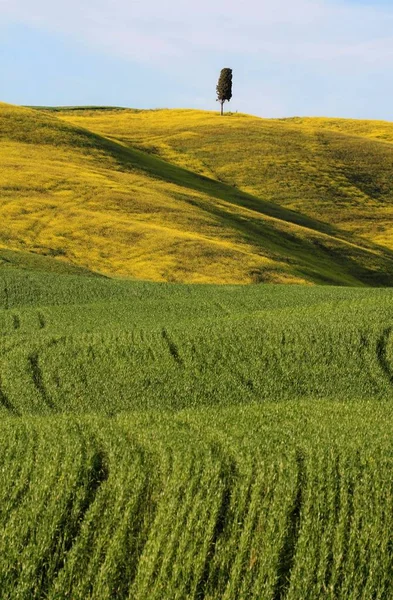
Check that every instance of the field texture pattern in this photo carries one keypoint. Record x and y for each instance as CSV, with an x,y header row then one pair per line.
x,y
78,344
286,501
161,441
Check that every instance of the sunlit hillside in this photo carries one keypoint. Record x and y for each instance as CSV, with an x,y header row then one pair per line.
x,y
65,193
88,194
376,130
336,170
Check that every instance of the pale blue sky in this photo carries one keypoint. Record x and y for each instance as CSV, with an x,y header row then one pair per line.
x,y
289,57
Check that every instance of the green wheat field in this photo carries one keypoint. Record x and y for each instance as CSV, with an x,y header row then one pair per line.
x,y
196,341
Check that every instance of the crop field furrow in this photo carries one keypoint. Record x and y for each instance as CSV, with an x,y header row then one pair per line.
x,y
328,523
316,521
252,551
368,579
18,464
5,403
41,320
46,522
346,475
161,507
228,532
155,446
353,556
203,525
130,536
115,527
379,546
62,366
383,344
22,377
16,322
5,296
173,350
275,537
366,540
291,540
171,520
67,529
38,380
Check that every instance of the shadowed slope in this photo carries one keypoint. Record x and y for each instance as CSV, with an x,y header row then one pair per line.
x,y
30,261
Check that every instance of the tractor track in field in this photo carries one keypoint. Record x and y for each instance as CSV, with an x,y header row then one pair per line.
x,y
223,309
4,398
382,355
6,402
71,523
288,551
36,374
38,379
6,294
228,473
20,491
41,320
16,322
138,530
173,350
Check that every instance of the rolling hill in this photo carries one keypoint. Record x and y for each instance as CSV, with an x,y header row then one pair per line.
x,y
142,194
335,170
81,344
165,440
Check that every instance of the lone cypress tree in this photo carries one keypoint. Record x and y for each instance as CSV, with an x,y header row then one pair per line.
x,y
224,87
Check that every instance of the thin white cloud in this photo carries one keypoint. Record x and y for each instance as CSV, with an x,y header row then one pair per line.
x,y
152,31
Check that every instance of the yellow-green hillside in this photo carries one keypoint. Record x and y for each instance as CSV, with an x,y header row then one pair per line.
x,y
376,130
336,170
64,193
86,193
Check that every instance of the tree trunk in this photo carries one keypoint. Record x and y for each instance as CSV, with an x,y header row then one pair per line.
x,y
222,108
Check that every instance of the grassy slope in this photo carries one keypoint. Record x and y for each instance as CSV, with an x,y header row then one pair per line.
x,y
29,261
287,502
221,457
111,208
375,130
335,170
176,346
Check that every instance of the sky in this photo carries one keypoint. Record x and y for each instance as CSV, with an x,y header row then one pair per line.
x,y
289,57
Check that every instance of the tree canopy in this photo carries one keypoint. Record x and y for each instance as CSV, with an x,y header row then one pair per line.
x,y
224,87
